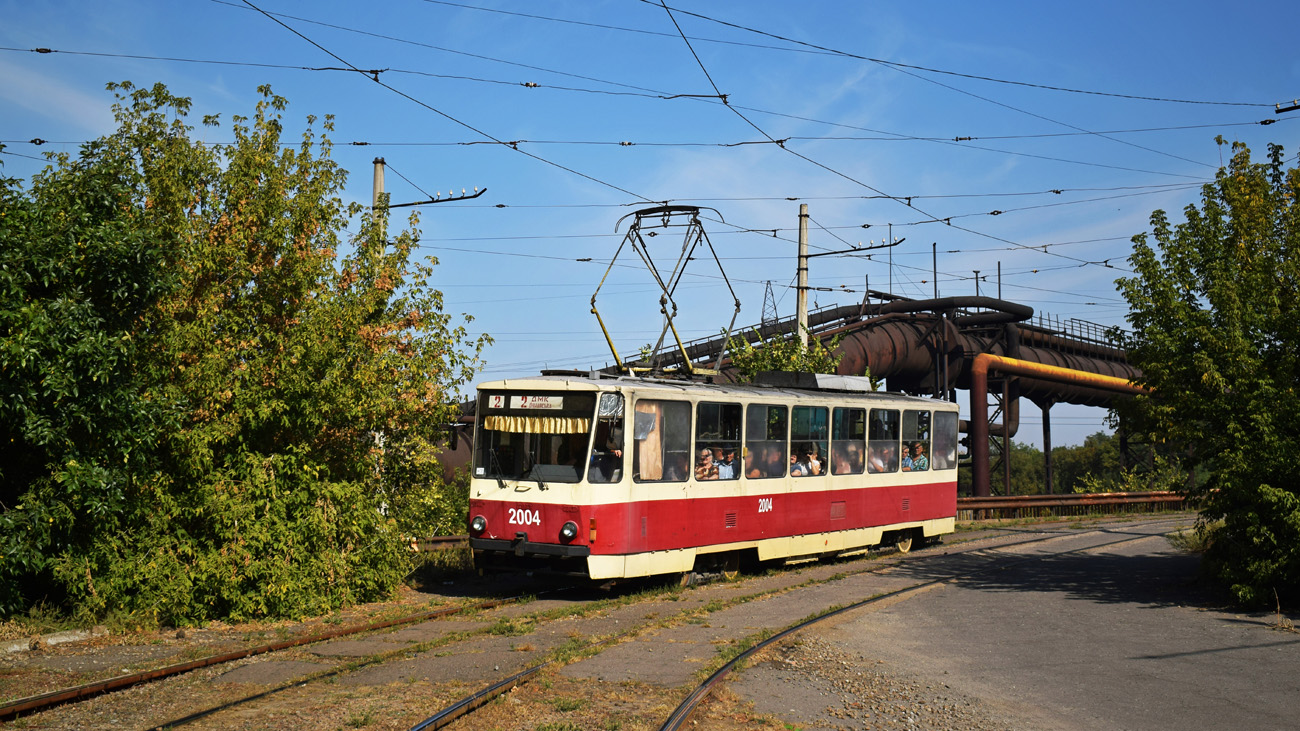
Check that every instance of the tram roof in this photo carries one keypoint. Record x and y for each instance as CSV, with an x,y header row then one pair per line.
x,y
783,383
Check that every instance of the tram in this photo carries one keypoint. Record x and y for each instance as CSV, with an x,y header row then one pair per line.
x,y
614,477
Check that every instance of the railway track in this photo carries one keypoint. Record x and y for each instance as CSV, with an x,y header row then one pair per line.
x,y
554,639
687,708
42,701
748,645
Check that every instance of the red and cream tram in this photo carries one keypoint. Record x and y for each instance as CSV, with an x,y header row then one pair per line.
x,y
614,477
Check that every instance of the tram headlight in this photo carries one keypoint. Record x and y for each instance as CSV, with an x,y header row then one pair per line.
x,y
478,524
568,531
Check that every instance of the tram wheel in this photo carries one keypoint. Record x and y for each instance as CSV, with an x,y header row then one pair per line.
x,y
903,541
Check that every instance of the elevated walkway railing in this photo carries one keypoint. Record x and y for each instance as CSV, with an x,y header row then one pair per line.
x,y
1038,506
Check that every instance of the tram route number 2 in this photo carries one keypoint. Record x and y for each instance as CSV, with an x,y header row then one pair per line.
x,y
765,505
524,516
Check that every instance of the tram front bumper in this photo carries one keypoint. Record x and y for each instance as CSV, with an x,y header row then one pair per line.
x,y
521,546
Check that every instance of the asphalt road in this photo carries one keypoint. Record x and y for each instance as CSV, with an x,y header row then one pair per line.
x,y
1118,637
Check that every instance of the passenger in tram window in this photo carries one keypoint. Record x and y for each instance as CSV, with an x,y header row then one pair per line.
x,y
725,459
855,458
876,459
891,458
840,461
816,464
675,467
607,456
755,458
907,458
704,467
804,462
775,465
847,459
798,468
572,449
919,460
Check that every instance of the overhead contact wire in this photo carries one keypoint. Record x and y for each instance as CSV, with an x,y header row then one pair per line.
x,y
439,112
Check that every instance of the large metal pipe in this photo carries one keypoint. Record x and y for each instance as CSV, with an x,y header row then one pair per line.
x,y
979,392
1001,310
901,346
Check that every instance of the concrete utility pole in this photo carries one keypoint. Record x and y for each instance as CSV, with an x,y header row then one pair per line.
x,y
934,263
379,182
802,299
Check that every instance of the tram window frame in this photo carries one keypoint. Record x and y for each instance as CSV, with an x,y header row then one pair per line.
x,y
916,430
717,429
767,430
883,429
809,433
848,430
548,443
607,442
944,454
668,426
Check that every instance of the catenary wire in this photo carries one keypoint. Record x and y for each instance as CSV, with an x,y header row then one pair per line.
x,y
908,72
884,62
827,168
441,113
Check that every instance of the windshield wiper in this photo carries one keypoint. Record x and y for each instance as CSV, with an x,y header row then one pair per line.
x,y
532,470
495,465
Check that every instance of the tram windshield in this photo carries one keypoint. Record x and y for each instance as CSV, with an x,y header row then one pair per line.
x,y
536,436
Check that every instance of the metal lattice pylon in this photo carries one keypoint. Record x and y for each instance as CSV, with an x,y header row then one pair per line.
x,y
769,306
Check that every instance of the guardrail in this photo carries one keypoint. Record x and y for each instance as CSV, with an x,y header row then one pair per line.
x,y
1037,506
440,543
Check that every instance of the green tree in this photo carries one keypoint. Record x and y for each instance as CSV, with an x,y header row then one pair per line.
x,y
292,397
80,266
1027,471
782,354
1216,334
1097,458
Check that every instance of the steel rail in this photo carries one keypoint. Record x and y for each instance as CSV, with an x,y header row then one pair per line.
x,y
42,701
470,703
328,673
687,707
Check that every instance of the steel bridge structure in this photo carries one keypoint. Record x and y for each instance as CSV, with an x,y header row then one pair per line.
x,y
995,349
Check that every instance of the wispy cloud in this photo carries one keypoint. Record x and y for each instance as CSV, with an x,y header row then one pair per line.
x,y
50,97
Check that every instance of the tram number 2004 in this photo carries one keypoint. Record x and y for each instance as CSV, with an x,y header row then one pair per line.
x,y
524,516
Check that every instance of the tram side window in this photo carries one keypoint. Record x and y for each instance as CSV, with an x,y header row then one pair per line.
x,y
848,434
607,441
717,442
808,432
916,440
662,441
945,441
765,445
882,441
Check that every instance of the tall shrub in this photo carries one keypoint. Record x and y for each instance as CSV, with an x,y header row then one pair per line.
x,y
1214,308
296,384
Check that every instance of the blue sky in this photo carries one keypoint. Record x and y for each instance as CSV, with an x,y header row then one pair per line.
x,y
868,98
